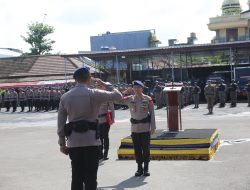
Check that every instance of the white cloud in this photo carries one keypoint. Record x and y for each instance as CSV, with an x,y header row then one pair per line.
x,y
76,20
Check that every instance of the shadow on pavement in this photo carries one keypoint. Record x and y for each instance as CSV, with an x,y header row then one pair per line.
x,y
132,182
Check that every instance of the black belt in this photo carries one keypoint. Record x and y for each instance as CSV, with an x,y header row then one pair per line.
x,y
144,120
80,127
102,115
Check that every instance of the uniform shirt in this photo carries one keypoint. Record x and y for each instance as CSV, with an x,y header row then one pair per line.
x,y
104,109
233,87
247,87
82,103
13,96
209,91
22,96
140,109
30,94
196,90
6,96
222,88
37,95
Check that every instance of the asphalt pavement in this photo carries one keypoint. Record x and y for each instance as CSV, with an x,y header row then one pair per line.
x,y
30,157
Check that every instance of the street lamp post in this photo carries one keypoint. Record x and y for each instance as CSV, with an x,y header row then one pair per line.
x,y
117,70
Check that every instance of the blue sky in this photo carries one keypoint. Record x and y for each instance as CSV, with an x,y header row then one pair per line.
x,y
76,20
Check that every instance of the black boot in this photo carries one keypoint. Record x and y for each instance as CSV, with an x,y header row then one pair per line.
x,y
145,170
105,156
139,171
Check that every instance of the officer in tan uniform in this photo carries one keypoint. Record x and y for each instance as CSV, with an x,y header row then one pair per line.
x,y
7,99
210,92
13,99
80,106
1,99
22,99
106,118
30,97
142,125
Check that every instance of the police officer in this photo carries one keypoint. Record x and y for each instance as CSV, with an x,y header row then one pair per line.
x,y
247,88
196,90
7,99
1,99
222,93
46,98
106,117
13,99
233,89
210,93
157,94
22,99
30,97
80,106
37,96
142,126
57,97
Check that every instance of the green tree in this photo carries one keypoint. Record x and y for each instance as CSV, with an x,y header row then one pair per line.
x,y
36,37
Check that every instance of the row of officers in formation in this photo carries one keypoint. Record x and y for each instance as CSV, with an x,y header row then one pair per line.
x,y
213,93
47,98
34,98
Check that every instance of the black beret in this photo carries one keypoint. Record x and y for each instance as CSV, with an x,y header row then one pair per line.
x,y
81,71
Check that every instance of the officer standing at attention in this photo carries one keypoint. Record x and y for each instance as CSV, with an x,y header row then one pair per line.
x,y
30,97
210,92
7,98
142,125
157,94
105,121
247,88
13,99
222,93
22,99
1,99
80,106
233,88
196,90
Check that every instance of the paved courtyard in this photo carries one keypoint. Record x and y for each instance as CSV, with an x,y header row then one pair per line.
x,y
30,157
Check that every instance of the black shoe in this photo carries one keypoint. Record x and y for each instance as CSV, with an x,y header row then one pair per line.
x,y
105,158
101,156
139,171
105,155
145,170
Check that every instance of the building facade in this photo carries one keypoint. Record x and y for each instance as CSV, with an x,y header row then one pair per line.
x,y
233,24
124,40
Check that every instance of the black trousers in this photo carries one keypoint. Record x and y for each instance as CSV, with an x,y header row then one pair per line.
x,y
7,105
141,142
22,104
14,105
84,163
104,136
30,104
